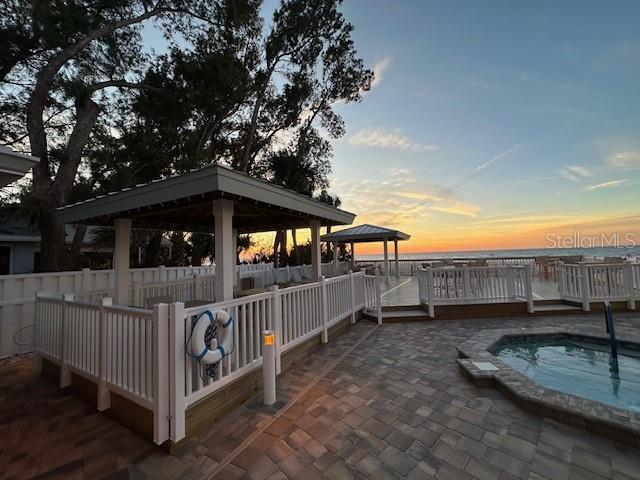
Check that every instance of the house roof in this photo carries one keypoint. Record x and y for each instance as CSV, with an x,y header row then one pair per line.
x,y
364,233
184,203
14,165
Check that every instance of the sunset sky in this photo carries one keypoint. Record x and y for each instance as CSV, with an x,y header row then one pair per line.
x,y
492,124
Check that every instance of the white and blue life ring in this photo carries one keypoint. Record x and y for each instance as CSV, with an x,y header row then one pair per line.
x,y
200,346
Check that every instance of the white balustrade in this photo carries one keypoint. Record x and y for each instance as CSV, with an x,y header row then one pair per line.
x,y
599,282
465,284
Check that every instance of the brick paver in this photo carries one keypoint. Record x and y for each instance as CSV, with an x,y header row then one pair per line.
x,y
395,407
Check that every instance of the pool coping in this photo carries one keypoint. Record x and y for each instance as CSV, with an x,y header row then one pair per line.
x,y
596,417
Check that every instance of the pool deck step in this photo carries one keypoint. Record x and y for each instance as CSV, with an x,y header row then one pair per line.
x,y
404,315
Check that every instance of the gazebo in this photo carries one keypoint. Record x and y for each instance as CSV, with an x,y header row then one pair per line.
x,y
213,199
365,234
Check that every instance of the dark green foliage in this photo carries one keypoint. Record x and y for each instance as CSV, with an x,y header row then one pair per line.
x,y
79,90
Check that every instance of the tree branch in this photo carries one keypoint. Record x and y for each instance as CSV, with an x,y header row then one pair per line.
x,y
121,84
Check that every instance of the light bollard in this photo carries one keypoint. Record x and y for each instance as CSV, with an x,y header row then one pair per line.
x,y
269,366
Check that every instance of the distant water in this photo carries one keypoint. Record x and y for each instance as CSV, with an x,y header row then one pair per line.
x,y
535,252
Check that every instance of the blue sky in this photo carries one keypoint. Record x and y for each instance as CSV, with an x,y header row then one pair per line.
x,y
492,124
515,116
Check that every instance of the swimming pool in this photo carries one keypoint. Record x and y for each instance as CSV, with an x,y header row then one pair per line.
x,y
577,365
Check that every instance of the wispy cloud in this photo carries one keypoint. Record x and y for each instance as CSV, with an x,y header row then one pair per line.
x,y
394,139
407,199
419,196
379,69
480,168
579,170
609,184
575,173
458,208
624,160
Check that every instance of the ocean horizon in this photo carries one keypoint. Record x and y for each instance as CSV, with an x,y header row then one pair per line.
x,y
526,252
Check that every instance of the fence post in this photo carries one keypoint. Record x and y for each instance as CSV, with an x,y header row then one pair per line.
x,y
466,281
430,292
276,312
584,287
529,288
137,295
161,374
325,310
628,283
378,298
86,280
511,282
177,401
561,280
104,397
162,274
353,297
65,374
197,288
37,359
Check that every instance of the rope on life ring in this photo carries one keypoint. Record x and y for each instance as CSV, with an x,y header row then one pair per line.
x,y
204,347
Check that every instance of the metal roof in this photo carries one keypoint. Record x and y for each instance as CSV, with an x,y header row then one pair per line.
x,y
184,203
364,233
14,165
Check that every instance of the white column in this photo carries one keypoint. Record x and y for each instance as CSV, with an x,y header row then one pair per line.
x,y
316,259
223,238
121,260
353,253
386,260
336,261
395,251
234,258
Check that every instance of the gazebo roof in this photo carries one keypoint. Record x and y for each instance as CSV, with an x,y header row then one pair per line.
x,y
184,203
364,233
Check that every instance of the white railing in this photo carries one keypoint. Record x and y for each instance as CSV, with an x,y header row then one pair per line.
x,y
18,292
373,296
121,349
182,290
296,314
410,267
597,282
460,285
143,354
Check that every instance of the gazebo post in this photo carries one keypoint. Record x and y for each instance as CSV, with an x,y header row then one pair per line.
x,y
386,260
336,260
397,262
234,257
121,260
316,269
223,238
353,254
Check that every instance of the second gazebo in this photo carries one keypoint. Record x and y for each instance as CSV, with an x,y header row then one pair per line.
x,y
365,234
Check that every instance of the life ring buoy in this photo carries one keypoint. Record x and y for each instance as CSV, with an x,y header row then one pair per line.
x,y
201,350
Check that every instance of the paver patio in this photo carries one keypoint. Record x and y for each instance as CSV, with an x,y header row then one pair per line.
x,y
379,402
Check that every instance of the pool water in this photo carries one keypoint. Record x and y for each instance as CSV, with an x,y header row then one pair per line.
x,y
578,366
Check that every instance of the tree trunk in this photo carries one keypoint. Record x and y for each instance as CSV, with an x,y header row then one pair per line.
x,y
283,247
52,245
295,245
276,244
253,126
152,251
